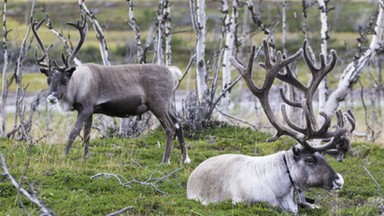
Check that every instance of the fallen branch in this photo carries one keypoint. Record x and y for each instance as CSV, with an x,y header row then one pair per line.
x,y
152,182
236,119
379,191
120,211
32,197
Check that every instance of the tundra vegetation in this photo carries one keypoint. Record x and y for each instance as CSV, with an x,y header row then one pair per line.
x,y
125,173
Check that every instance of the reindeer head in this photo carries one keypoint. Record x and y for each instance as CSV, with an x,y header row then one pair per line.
x,y
337,138
58,76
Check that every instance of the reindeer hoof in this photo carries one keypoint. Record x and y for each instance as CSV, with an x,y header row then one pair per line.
x,y
187,160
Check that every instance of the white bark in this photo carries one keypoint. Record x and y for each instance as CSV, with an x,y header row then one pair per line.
x,y
229,30
168,36
354,69
30,196
284,26
199,23
63,41
159,41
323,86
136,30
99,33
4,89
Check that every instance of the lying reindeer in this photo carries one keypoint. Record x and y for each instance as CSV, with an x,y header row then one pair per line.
x,y
119,91
276,178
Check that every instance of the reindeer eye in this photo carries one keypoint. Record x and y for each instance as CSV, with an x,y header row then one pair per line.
x,y
310,161
64,82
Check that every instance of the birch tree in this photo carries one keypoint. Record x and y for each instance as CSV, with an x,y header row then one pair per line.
x,y
159,36
4,87
167,33
352,72
229,24
198,17
323,87
140,53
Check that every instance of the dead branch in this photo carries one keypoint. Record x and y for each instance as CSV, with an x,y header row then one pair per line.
x,y
18,74
61,37
99,33
30,196
151,182
191,60
379,191
238,120
120,211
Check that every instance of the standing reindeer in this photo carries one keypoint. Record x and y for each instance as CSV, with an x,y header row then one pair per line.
x,y
119,91
276,178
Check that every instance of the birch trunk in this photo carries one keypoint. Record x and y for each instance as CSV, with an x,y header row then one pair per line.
x,y
197,10
353,70
159,37
229,31
132,22
168,36
323,86
4,88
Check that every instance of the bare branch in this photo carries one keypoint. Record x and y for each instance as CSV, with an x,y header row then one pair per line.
x,y
120,211
151,182
32,197
379,191
99,33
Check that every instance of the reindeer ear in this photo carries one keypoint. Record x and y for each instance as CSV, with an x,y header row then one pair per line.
x,y
69,71
44,71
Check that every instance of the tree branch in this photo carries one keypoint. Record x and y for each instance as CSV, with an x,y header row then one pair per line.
x,y
32,197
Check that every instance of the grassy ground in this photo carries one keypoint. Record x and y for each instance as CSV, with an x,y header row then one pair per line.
x,y
66,187
65,184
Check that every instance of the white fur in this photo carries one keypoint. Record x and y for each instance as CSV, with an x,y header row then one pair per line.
x,y
176,72
242,178
272,179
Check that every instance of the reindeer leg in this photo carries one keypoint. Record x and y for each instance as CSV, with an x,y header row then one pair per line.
x,y
169,132
306,202
81,117
167,124
180,137
87,132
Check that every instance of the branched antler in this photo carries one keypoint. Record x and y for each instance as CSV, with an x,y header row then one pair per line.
x,y
337,138
44,61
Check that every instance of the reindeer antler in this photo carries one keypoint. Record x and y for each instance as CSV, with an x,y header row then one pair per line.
x,y
82,27
337,137
43,60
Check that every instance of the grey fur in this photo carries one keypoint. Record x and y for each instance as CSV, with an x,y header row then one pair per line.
x,y
119,91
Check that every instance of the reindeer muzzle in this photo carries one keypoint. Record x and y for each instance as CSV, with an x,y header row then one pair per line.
x,y
53,98
338,183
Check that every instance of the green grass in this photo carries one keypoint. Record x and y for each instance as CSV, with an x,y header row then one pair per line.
x,y
66,187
